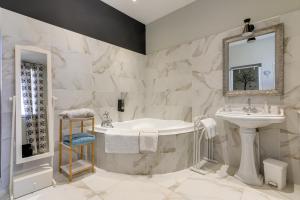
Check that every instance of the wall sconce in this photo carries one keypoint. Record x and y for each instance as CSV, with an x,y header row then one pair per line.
x,y
248,28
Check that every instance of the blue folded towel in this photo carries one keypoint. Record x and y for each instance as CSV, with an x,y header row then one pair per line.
x,y
79,139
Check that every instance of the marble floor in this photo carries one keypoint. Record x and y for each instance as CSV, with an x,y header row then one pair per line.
x,y
181,185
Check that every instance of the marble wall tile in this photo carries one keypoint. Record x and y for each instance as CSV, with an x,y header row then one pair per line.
x,y
290,153
169,83
72,99
227,144
269,143
174,153
86,73
169,112
176,83
289,145
5,158
72,71
103,99
200,63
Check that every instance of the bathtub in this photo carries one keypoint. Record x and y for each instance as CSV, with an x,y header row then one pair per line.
x,y
164,127
175,148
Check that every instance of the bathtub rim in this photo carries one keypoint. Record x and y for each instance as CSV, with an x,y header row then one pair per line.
x,y
189,127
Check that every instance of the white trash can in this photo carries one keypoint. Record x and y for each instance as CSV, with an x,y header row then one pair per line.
x,y
275,173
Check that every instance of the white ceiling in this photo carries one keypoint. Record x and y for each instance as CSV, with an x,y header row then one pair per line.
x,y
147,11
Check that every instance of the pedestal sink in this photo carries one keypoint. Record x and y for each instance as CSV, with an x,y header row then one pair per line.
x,y
248,122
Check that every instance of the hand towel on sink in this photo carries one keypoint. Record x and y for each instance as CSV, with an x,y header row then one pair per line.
x,y
210,127
122,141
148,141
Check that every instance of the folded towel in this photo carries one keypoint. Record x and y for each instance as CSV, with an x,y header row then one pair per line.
x,y
210,127
121,141
223,172
78,113
148,141
79,138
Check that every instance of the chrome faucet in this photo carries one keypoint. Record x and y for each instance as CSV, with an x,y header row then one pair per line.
x,y
107,121
250,108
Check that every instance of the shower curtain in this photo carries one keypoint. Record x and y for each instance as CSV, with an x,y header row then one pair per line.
x,y
34,110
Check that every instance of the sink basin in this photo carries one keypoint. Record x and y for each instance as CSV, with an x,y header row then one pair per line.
x,y
248,122
251,120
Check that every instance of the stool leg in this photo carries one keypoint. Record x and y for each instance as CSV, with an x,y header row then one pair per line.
x,y
81,126
60,146
81,152
70,152
81,146
93,157
93,146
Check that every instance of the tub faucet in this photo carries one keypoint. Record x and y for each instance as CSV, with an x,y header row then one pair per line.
x,y
107,121
250,108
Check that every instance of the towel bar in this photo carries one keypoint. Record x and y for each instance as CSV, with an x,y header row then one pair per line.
x,y
199,131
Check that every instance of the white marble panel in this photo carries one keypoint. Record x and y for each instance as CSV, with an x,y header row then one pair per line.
x,y
86,72
105,99
104,82
289,20
202,58
269,143
169,112
72,71
25,31
5,160
175,83
174,153
289,145
72,99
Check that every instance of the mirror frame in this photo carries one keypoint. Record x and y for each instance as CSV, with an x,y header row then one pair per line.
x,y
279,62
18,51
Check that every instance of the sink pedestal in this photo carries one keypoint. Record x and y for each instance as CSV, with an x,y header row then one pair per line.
x,y
248,122
248,171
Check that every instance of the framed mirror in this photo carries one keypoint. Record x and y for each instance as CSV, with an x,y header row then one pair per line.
x,y
253,65
34,115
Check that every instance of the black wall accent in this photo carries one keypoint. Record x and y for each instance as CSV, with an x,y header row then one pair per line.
x,y
88,17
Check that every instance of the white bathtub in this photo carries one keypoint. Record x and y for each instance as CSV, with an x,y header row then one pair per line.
x,y
164,127
174,151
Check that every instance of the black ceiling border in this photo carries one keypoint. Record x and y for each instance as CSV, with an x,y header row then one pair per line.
x,y
92,18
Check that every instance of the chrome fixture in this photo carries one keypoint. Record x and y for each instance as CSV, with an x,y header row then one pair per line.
x,y
248,28
107,121
250,108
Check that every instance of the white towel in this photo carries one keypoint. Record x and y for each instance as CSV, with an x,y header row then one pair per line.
x,y
223,172
78,113
148,141
210,127
122,141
